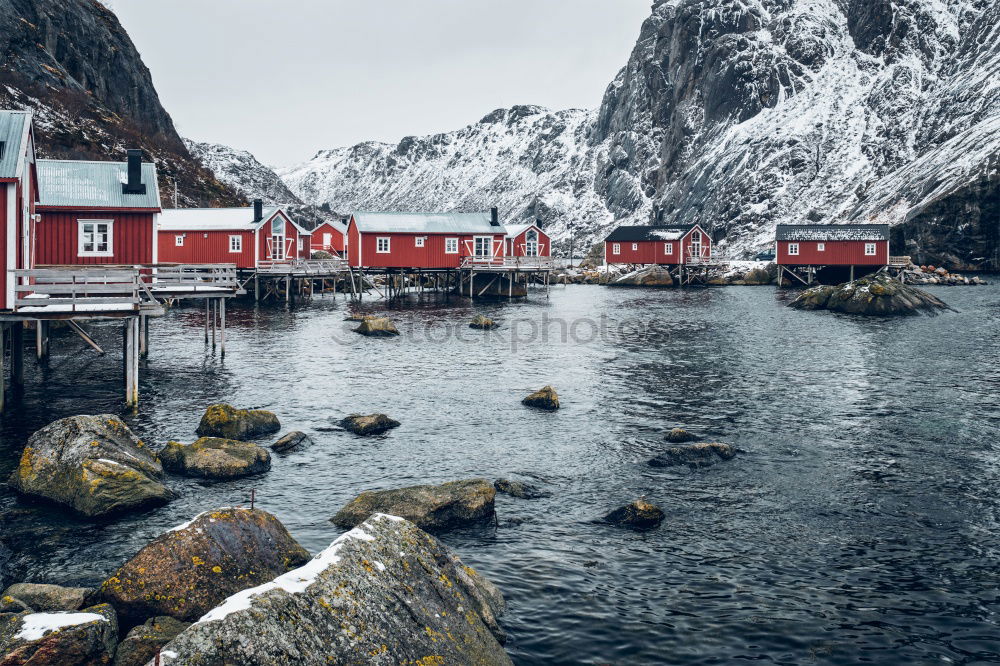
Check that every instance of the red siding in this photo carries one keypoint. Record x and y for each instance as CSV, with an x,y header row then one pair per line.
x,y
516,247
291,234
655,252
336,239
837,253
353,244
206,247
57,238
404,252
4,222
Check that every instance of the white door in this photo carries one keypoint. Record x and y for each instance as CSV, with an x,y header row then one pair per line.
x,y
696,245
483,248
531,243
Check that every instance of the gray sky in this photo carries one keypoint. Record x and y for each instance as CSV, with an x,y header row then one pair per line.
x,y
285,78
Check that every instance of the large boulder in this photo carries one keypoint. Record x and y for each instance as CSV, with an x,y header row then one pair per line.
x,y
383,594
519,489
878,294
545,398
41,597
377,327
679,436
228,422
215,458
84,638
372,424
703,454
93,464
639,514
188,570
139,647
650,276
434,508
482,322
290,441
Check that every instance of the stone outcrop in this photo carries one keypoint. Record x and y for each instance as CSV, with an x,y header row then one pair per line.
x,y
650,276
93,464
679,436
545,398
41,597
482,322
291,441
377,327
873,295
372,424
83,638
383,594
704,454
140,645
188,570
519,489
639,514
216,458
228,422
434,508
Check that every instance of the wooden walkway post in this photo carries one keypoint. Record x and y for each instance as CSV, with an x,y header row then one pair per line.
x,y
17,355
222,318
41,339
208,304
131,361
215,320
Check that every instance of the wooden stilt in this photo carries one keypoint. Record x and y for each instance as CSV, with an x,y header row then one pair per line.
x,y
288,289
3,379
143,336
208,307
215,323
222,319
42,339
17,355
256,287
852,273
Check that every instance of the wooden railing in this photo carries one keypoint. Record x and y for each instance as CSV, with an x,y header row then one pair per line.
x,y
222,276
507,262
302,266
79,289
900,262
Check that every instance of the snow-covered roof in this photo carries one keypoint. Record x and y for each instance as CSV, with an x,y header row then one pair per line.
x,y
73,183
209,219
15,127
426,223
514,230
650,233
832,232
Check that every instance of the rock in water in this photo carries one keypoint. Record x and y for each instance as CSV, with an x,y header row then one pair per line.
x,y
377,327
373,424
94,464
519,489
41,597
216,458
546,399
878,294
482,322
696,455
679,436
433,508
85,638
384,593
651,276
187,571
230,423
290,441
639,513
141,644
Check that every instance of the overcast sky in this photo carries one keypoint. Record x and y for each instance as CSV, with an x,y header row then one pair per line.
x,y
285,78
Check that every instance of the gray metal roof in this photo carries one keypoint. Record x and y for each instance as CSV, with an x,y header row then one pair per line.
x,y
832,232
427,223
14,128
93,185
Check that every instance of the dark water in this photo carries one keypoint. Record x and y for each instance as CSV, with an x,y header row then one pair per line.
x,y
861,526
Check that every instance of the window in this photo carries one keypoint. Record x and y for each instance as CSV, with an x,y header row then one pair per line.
x,y
419,241
870,249
793,249
668,248
236,243
821,247
95,238
616,248
635,246
302,243
531,243
382,245
179,240
327,240
451,246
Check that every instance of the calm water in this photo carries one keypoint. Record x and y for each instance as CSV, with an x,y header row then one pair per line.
x,y
861,525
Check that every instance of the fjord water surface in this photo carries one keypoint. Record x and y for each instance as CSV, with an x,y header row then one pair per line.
x,y
859,526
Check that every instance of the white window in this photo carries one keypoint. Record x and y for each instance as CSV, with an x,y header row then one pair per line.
x,y
419,241
793,249
451,246
95,238
635,246
179,240
821,247
668,248
616,248
236,243
301,243
870,249
327,240
382,245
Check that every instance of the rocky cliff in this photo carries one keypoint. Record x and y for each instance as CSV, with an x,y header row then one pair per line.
x,y
73,64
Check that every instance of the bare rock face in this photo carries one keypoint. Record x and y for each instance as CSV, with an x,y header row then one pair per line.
x,y
373,424
41,597
878,295
385,593
377,327
93,464
140,645
84,638
639,514
703,454
545,398
216,458
290,441
433,508
185,572
228,422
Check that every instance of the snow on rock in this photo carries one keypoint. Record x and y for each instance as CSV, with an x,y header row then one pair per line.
x,y
36,625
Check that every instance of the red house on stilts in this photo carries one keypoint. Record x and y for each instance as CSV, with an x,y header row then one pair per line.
x,y
681,245
528,240
18,198
803,250
330,237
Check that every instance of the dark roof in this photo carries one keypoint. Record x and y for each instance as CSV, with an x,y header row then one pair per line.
x,y
833,232
649,233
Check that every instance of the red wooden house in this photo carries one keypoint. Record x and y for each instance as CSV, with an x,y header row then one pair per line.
x,y
241,236
424,240
832,245
527,240
97,212
675,245
330,237
18,198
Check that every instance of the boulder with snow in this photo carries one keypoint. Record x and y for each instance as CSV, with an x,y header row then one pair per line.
x,y
188,570
228,422
215,458
93,464
878,294
434,508
385,593
80,638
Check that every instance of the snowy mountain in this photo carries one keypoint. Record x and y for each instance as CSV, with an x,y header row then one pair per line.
x,y
241,170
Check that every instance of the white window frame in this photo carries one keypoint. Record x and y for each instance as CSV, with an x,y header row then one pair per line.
x,y
379,240
451,246
821,247
179,240
635,246
235,244
793,249
301,244
418,241
81,242
327,240
871,249
668,248
616,248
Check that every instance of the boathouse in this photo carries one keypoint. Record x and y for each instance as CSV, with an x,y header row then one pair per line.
x,y
674,245
97,212
802,250
18,199
424,241
330,237
527,240
245,237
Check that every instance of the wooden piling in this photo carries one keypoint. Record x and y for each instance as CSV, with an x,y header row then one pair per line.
x,y
222,318
17,355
